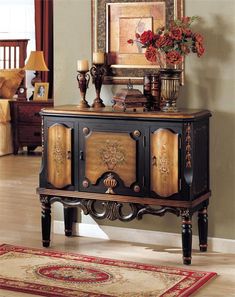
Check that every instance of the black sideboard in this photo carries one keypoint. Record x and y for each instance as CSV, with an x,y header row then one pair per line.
x,y
155,163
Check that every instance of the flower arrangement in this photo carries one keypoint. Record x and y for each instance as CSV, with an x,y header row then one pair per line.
x,y
169,46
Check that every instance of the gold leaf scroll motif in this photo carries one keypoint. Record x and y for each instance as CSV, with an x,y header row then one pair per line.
x,y
163,163
58,153
109,151
112,154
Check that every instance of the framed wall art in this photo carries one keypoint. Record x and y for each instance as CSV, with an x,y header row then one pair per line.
x,y
41,91
114,22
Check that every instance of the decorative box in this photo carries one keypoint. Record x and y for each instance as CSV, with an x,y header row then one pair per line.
x,y
129,99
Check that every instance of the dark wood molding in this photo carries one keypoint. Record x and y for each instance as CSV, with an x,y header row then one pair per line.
x,y
121,198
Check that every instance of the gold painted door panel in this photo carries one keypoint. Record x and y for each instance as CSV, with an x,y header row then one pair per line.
x,y
164,162
59,156
110,152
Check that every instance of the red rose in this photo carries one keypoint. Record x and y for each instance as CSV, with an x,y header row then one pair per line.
x,y
187,32
164,40
176,33
198,37
173,43
151,54
185,49
173,57
185,20
147,37
199,49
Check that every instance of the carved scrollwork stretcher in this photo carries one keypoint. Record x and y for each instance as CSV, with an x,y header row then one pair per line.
x,y
113,210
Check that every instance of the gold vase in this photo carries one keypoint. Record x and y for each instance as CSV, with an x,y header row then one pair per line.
x,y
170,86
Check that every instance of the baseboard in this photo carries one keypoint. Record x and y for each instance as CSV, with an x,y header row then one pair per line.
x,y
143,236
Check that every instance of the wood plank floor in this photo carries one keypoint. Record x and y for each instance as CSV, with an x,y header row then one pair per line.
x,y
20,225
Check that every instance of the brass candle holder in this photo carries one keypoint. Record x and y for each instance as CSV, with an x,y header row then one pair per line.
x,y
97,73
83,79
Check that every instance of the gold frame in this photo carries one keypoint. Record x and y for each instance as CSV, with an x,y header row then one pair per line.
x,y
44,95
118,73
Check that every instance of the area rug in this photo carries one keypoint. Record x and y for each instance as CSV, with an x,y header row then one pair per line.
x,y
59,274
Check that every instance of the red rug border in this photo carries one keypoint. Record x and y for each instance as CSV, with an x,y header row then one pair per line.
x,y
49,294
114,262
200,284
197,286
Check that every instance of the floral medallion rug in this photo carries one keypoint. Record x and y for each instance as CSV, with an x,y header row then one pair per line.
x,y
48,273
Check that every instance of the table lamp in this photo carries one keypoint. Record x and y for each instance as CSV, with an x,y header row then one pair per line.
x,y
37,63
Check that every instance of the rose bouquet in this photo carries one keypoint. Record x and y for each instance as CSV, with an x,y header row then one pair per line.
x,y
169,46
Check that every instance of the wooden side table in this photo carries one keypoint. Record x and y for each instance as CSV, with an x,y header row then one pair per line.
x,y
26,123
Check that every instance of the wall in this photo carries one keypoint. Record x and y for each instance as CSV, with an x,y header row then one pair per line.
x,y
72,37
210,84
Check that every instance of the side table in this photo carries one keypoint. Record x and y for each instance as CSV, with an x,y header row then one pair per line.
x,y
26,123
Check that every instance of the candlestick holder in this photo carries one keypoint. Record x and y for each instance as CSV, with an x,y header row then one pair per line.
x,y
97,73
83,79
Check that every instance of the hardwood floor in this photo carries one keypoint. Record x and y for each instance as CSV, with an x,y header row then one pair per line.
x,y
20,225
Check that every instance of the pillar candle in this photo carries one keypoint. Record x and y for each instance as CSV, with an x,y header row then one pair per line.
x,y
98,58
82,65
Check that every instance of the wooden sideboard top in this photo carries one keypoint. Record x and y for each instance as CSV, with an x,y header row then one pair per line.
x,y
107,111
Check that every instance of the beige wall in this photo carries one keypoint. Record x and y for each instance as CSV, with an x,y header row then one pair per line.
x,y
210,84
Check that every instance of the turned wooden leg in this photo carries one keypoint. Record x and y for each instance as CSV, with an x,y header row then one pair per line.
x,y
45,220
68,220
203,228
186,238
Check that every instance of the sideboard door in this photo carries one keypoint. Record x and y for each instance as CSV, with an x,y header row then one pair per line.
x,y
111,158
164,167
59,141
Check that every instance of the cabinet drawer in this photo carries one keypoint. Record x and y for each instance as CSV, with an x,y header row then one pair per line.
x,y
30,114
30,134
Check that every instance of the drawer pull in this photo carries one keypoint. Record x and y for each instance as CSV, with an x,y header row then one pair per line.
x,y
37,133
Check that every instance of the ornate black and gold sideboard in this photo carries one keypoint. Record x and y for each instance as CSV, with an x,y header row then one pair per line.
x,y
109,162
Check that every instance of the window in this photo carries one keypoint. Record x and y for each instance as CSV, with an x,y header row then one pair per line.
x,y
17,21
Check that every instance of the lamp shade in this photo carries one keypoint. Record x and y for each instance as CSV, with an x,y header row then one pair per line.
x,y
36,62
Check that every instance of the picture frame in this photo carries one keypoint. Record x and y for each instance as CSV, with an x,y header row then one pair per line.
x,y
112,25
41,91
